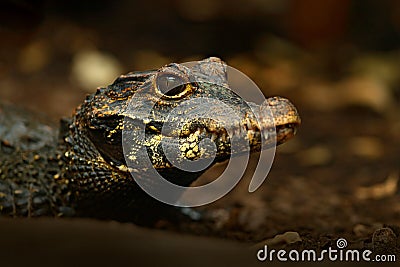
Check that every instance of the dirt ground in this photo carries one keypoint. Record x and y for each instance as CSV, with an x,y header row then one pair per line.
x,y
338,178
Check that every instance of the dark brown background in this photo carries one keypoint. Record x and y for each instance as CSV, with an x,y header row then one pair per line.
x,y
337,60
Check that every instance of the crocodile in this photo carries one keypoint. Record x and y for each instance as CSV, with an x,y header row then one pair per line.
x,y
80,169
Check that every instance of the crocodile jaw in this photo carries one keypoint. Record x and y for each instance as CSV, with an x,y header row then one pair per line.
x,y
261,127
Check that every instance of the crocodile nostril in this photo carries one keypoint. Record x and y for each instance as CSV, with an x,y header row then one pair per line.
x,y
153,127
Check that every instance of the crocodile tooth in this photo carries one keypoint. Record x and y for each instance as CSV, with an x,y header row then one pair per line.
x,y
265,134
223,137
248,124
250,134
214,137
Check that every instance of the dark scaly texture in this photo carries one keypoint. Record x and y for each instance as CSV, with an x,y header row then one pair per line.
x,y
80,168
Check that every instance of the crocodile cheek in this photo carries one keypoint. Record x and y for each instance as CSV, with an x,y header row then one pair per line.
x,y
109,144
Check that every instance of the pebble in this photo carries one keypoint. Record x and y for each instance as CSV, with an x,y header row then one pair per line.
x,y
282,239
34,57
352,91
315,156
367,147
379,191
92,68
384,240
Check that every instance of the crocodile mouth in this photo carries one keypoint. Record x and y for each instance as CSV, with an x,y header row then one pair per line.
x,y
277,126
167,143
277,122
285,132
259,127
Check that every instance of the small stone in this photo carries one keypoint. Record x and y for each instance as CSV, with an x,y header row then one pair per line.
x,y
384,240
18,192
379,191
315,156
363,230
92,68
34,57
252,219
367,147
282,239
365,91
220,216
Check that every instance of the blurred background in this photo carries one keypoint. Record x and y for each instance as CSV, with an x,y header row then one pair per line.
x,y
278,43
337,60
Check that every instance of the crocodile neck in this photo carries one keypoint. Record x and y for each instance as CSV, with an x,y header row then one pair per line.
x,y
98,189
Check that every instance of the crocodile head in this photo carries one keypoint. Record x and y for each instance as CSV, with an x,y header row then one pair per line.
x,y
169,116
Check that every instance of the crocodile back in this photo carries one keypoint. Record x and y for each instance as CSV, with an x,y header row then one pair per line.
x,y
24,130
28,163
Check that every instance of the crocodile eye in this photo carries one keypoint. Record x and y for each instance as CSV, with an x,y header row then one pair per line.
x,y
171,85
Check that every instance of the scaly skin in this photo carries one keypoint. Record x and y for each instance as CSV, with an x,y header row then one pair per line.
x,y
80,169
